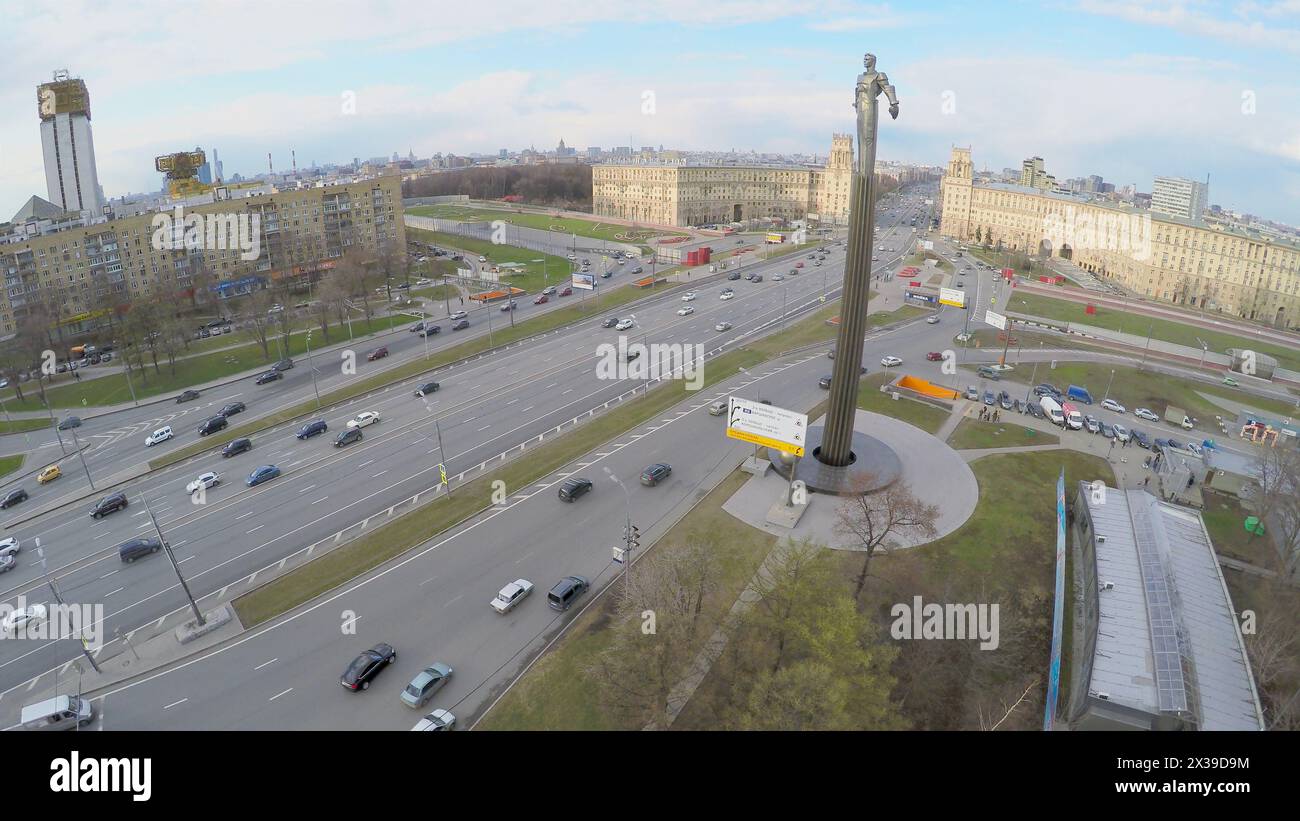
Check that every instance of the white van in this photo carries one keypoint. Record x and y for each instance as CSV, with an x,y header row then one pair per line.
x,y
58,713
161,435
1053,410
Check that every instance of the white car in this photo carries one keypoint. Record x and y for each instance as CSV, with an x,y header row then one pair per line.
x,y
511,595
1112,405
10,546
363,419
729,295
275,309
890,361
722,326
455,315
437,720
572,257
30,614
205,481
160,435
1143,413
1121,433
482,259
623,325
684,311
689,296
934,320
964,337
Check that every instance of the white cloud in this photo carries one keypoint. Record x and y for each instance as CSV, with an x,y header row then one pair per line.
x,y
1186,18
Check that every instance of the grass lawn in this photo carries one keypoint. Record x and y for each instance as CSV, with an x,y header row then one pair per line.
x,y
1135,322
1149,389
557,695
22,425
195,370
593,228
437,292
8,464
1004,553
974,434
535,276
918,259
926,417
1225,519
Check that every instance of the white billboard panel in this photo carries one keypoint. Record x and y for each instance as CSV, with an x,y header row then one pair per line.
x,y
767,425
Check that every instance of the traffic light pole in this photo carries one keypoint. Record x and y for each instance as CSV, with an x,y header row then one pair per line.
x,y
175,565
54,591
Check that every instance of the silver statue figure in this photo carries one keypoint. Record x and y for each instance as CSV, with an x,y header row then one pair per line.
x,y
871,84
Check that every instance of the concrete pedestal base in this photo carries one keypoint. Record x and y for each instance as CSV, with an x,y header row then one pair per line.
x,y
756,466
875,466
191,630
783,515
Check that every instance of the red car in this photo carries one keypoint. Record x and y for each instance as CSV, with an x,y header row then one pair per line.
x,y
541,298
567,292
377,353
798,265
934,356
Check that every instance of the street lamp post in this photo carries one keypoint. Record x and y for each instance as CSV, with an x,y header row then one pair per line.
x,y
54,591
630,533
1148,345
312,368
77,442
1108,381
167,548
50,410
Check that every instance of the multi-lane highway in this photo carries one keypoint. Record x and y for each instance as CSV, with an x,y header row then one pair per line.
x,y
484,408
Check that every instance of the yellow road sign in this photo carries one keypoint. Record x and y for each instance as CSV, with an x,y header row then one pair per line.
x,y
755,439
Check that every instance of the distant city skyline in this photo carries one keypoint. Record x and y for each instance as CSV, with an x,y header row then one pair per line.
x,y
1127,92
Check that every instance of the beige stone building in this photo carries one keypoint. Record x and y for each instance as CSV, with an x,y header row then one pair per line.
x,y
51,257
686,195
1214,267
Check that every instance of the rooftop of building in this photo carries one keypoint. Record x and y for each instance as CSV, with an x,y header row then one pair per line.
x,y
1167,636
1083,199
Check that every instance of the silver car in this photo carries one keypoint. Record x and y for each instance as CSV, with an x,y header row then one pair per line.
x,y
425,684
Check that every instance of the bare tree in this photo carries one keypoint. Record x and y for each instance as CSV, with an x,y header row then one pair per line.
x,y
877,519
258,304
1277,501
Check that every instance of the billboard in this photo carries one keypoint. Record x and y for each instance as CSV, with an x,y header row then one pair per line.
x,y
767,425
952,296
587,282
775,237
996,320
928,245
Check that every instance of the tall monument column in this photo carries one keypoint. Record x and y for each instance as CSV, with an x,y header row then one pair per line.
x,y
836,449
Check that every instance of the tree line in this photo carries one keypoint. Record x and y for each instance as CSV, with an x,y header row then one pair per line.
x,y
564,186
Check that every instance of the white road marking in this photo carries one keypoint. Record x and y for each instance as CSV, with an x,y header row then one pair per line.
x,y
175,703
277,695
263,664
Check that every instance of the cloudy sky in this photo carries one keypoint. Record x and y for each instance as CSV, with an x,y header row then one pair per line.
x,y
1127,90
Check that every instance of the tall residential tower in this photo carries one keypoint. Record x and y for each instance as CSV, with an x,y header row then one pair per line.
x,y
70,174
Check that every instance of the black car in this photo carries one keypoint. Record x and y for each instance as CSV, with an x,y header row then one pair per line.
x,y
573,487
12,498
419,326
282,365
426,389
70,422
461,325
347,437
213,425
757,278
366,666
313,428
565,592
1047,390
269,376
187,396
236,446
656,473
430,331
1142,439
609,322
138,547
232,409
825,382
1035,410
734,275
109,504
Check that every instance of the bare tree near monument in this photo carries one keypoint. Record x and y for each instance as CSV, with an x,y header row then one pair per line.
x,y
876,521
1277,502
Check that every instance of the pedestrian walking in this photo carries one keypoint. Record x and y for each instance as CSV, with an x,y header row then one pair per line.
x,y
1146,481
